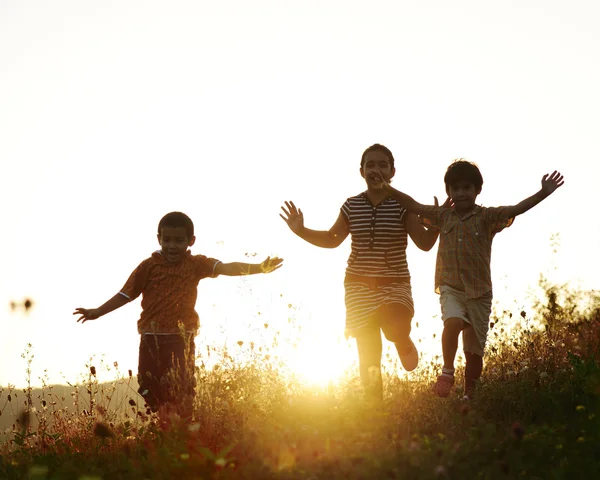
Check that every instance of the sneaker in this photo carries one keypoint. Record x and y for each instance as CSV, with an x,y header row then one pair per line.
x,y
411,359
443,385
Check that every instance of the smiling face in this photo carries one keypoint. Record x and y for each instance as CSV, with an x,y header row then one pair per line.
x,y
376,163
174,242
463,196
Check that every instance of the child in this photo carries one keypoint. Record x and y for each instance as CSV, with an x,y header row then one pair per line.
x,y
377,284
168,283
462,274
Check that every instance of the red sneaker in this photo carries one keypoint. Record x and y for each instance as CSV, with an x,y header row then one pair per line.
x,y
443,385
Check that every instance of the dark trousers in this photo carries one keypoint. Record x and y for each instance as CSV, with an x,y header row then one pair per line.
x,y
166,368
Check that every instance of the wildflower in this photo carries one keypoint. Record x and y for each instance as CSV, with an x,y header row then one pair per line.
x,y
103,431
580,408
240,342
440,471
517,430
24,419
184,456
580,439
220,462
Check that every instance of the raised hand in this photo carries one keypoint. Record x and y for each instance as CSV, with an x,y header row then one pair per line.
x,y
271,264
86,314
293,217
550,182
447,204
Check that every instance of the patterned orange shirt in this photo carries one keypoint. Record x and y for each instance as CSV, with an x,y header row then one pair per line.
x,y
464,253
169,291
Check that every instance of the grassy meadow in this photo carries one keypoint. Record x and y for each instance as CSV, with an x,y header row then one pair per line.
x,y
536,415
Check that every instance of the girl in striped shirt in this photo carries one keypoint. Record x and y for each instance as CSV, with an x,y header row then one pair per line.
x,y
377,284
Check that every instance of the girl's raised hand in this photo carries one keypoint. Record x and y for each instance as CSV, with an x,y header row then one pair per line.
x,y
293,217
551,182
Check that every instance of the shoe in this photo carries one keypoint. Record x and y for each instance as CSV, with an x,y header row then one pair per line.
x,y
443,385
411,359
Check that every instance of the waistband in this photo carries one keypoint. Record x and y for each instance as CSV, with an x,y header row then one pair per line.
x,y
375,281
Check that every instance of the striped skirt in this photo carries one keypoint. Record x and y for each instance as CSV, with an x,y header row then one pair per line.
x,y
363,297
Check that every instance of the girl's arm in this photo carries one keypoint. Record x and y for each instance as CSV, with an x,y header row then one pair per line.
x,y
424,238
234,269
93,313
325,239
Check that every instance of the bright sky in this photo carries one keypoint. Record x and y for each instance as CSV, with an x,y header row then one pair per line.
x,y
113,113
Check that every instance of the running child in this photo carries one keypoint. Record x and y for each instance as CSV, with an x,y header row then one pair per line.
x,y
168,282
462,274
378,293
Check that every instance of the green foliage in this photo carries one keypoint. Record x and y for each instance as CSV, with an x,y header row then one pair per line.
x,y
535,415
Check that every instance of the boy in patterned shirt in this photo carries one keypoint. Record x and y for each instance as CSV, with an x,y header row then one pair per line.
x,y
462,274
168,324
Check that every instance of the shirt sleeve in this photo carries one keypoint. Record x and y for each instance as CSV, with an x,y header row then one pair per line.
x,y
498,218
137,280
345,209
430,216
205,266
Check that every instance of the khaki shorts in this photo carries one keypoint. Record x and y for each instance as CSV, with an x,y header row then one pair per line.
x,y
475,311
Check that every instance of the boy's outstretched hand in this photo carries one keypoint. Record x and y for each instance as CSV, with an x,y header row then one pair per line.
x,y
86,314
271,264
293,217
550,182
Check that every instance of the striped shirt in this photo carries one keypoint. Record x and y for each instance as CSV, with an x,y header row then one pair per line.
x,y
464,254
169,291
378,237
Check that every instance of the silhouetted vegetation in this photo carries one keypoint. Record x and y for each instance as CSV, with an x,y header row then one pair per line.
x,y
535,415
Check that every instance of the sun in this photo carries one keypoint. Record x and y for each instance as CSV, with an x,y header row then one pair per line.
x,y
320,361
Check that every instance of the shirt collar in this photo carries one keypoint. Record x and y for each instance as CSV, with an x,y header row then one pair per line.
x,y
475,211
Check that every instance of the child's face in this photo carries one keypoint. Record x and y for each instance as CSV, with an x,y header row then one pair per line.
x,y
463,196
377,161
174,242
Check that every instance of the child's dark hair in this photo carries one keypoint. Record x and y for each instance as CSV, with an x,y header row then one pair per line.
x,y
377,148
461,170
177,219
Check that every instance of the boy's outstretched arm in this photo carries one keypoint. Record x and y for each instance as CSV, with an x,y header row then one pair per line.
x,y
326,239
550,182
234,269
93,313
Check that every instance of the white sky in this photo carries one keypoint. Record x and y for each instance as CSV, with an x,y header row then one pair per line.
x,y
113,113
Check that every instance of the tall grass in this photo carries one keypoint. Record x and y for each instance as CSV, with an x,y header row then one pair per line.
x,y
535,415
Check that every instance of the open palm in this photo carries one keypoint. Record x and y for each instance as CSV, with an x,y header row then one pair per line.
x,y
293,217
551,182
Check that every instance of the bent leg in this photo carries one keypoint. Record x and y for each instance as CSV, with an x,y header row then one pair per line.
x,y
368,342
395,320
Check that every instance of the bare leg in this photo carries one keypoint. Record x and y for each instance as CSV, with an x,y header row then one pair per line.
x,y
369,346
395,322
452,328
473,370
